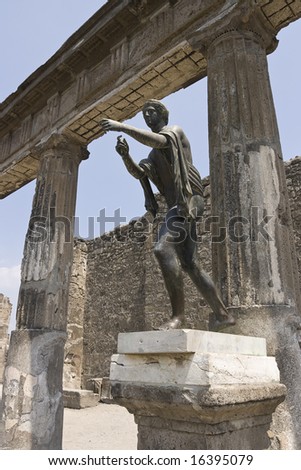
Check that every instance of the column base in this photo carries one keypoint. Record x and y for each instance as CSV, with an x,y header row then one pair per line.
x,y
186,396
32,392
280,325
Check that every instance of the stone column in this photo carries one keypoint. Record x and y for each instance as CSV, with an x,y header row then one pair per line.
x,y
33,398
253,249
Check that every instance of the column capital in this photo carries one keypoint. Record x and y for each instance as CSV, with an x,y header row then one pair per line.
x,y
57,143
244,17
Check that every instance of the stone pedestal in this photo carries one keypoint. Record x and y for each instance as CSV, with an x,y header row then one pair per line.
x,y
192,389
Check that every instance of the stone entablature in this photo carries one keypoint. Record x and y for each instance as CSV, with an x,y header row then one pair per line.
x,y
104,70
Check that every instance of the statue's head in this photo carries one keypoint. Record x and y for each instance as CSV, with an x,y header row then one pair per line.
x,y
159,107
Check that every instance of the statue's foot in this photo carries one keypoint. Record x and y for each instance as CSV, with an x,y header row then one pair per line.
x,y
173,324
223,322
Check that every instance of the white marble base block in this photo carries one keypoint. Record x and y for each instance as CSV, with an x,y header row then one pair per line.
x,y
189,341
192,357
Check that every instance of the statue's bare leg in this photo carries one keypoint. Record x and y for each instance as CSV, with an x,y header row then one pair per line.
x,y
165,252
187,252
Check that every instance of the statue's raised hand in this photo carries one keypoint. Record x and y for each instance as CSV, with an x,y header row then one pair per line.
x,y
110,125
122,147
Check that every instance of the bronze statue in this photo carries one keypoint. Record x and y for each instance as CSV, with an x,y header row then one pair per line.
x,y
169,166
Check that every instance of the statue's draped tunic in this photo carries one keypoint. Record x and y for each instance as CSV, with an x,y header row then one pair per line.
x,y
172,171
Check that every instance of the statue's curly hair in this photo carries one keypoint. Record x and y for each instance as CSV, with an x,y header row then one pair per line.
x,y
159,107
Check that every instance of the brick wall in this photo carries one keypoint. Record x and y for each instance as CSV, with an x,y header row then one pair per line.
x,y
115,297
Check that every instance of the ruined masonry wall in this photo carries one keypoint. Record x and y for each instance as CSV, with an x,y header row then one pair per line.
x,y
117,286
5,312
293,180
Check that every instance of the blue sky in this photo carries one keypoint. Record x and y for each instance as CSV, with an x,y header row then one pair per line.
x,y
30,32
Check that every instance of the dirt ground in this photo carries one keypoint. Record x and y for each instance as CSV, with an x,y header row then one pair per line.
x,y
101,427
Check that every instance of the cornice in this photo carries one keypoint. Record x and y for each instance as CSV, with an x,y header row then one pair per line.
x,y
243,16
60,145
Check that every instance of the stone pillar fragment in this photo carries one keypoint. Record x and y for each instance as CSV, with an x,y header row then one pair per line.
x,y
33,399
74,349
5,312
191,389
254,261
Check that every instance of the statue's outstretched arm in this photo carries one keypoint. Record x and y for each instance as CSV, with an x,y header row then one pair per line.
x,y
151,139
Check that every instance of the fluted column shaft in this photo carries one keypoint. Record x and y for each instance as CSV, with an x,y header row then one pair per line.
x,y
252,261
48,248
